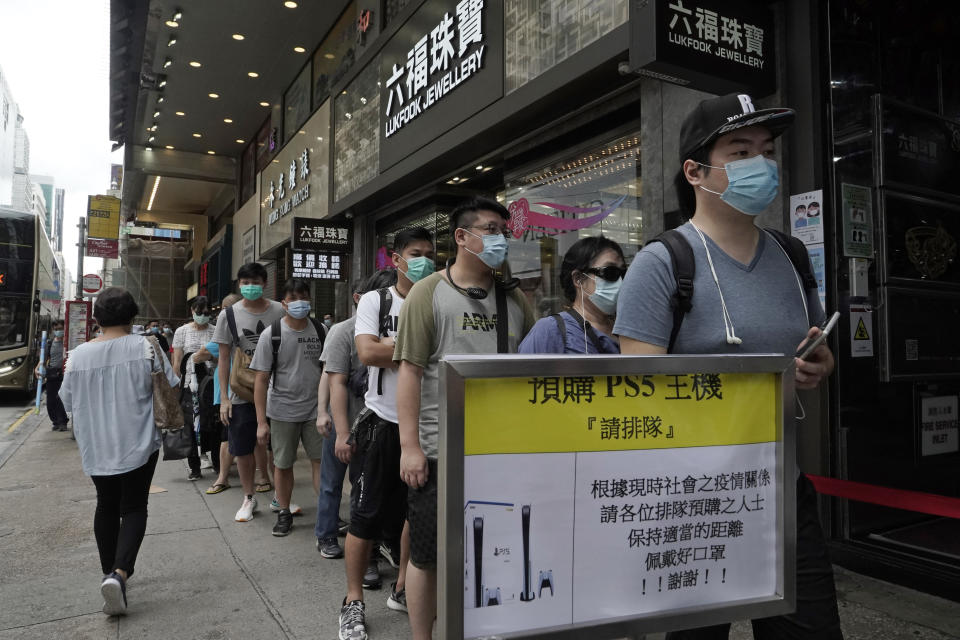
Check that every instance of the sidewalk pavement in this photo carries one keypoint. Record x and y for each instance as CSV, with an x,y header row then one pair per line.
x,y
202,575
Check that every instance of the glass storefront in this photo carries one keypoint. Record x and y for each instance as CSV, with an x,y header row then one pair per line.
x,y
357,135
296,104
596,191
335,56
540,34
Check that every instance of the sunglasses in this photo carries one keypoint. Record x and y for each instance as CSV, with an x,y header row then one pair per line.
x,y
609,273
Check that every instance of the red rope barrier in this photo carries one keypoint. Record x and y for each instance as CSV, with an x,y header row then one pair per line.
x,y
930,503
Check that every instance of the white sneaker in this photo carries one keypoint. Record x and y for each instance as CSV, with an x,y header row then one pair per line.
x,y
247,509
205,462
295,509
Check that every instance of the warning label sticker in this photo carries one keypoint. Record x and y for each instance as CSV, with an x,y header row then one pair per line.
x,y
861,331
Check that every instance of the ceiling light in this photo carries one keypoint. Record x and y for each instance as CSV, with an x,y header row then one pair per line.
x,y
228,120
211,153
238,36
253,74
195,64
180,113
148,148
363,100
264,104
196,135
299,49
156,114
178,14
169,146
290,4
151,138
160,100
214,95
153,192
167,62
479,167
173,24
153,128
162,83
172,41
239,141
329,56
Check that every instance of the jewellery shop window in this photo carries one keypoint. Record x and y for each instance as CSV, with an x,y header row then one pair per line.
x,y
593,192
432,219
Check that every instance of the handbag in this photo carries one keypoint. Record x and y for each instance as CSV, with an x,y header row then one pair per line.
x,y
178,443
167,414
242,377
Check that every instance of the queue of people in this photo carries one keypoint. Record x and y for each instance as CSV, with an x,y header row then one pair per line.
x,y
363,395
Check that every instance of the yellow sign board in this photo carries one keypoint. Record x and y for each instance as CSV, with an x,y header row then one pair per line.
x,y
618,413
103,217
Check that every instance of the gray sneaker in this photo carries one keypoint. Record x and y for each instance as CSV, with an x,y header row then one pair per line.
x,y
329,548
353,623
371,579
398,599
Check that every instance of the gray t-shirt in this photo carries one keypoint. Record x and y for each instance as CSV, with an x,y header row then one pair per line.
x,y
765,300
436,321
249,328
292,396
340,356
55,354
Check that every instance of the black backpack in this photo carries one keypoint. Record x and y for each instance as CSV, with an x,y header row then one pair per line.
x,y
358,380
276,336
684,268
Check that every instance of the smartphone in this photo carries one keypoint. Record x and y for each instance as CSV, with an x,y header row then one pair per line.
x,y
807,347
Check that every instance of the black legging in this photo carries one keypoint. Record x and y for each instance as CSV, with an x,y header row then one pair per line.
x,y
121,517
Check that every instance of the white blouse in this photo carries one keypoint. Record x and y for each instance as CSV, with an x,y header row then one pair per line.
x,y
107,388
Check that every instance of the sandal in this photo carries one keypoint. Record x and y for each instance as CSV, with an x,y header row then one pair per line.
x,y
217,488
264,487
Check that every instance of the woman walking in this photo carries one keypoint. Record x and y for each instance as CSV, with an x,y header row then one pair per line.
x,y
108,387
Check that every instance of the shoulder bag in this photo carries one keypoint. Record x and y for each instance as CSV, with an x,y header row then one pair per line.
x,y
167,414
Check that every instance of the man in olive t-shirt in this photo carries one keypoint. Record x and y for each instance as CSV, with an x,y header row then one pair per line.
x,y
450,312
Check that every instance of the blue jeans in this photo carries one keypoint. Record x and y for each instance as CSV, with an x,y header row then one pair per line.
x,y
332,472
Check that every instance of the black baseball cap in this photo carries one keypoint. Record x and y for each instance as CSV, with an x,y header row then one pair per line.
x,y
715,117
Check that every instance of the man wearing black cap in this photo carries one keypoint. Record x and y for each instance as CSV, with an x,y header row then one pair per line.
x,y
747,298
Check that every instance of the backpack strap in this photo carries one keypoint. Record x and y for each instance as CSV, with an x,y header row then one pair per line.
x,y
797,252
684,268
321,330
562,328
232,324
276,336
591,334
386,303
503,345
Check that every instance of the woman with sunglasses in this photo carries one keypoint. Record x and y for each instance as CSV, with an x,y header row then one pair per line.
x,y
591,275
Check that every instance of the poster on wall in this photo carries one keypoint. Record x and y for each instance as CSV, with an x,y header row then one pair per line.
x,y
620,465
857,203
806,217
818,261
939,429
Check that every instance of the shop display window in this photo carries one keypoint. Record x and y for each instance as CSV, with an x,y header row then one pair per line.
x,y
433,219
335,55
296,104
539,34
357,139
595,191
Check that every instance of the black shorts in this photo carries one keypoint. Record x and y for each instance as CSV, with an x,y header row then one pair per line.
x,y
422,514
378,504
242,431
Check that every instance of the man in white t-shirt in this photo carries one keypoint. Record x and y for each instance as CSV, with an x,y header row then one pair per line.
x,y
378,498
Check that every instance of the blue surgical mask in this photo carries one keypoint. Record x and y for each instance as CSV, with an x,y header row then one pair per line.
x,y
418,268
251,291
58,334
155,330
494,249
751,184
201,318
605,295
298,309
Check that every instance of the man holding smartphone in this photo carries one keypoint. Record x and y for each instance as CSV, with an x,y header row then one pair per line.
x,y
747,298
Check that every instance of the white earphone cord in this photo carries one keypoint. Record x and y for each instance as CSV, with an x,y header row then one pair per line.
x,y
727,320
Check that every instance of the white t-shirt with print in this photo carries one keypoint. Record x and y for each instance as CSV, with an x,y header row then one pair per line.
x,y
368,323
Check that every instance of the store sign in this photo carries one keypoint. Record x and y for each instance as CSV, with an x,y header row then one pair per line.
x,y
101,248
103,217
920,149
316,265
313,235
710,45
445,64
203,281
295,182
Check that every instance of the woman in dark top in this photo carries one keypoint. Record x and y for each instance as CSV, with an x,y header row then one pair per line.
x,y
591,275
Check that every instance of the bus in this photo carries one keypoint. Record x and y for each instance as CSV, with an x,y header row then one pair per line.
x,y
29,296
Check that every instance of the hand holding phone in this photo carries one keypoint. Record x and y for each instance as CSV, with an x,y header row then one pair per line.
x,y
810,345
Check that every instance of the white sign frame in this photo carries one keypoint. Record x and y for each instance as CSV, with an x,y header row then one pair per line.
x,y
451,541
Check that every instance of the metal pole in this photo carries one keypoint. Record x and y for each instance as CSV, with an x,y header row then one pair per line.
x,y
81,246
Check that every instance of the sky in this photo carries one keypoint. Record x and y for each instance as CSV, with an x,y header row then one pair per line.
x,y
56,58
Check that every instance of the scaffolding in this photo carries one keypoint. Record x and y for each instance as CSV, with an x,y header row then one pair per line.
x,y
153,270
